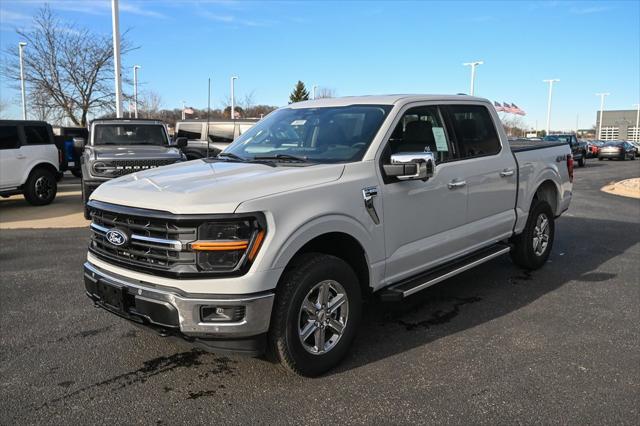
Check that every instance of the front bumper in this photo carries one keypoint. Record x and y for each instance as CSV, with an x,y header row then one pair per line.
x,y
171,311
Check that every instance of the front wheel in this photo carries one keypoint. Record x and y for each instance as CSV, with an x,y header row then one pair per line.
x,y
41,187
316,314
532,247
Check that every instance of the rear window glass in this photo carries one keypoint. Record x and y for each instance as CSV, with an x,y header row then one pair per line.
x,y
36,135
189,130
474,130
9,137
221,132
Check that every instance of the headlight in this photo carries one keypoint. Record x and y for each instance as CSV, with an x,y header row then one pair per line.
x,y
228,245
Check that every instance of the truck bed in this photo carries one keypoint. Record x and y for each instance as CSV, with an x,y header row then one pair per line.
x,y
519,145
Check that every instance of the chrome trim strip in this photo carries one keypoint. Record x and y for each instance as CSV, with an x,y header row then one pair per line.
x,y
173,245
455,272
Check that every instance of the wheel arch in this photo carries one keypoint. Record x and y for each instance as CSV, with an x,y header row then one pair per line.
x,y
39,166
337,236
548,191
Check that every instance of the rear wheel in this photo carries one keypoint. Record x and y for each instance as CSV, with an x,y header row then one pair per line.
x,y
316,314
582,161
41,187
532,247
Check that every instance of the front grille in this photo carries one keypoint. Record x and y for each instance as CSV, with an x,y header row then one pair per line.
x,y
153,244
124,167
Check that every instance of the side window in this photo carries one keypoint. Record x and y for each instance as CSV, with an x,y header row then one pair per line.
x,y
9,138
36,135
221,132
475,134
189,131
420,129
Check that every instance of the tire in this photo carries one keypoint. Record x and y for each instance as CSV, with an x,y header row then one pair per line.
x,y
85,199
310,273
41,187
523,252
77,173
583,160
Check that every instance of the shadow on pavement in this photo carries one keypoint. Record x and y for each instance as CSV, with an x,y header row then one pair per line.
x,y
487,292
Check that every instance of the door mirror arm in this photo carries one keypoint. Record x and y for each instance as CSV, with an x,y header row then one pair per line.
x,y
411,166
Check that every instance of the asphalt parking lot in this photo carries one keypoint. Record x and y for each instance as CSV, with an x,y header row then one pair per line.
x,y
493,345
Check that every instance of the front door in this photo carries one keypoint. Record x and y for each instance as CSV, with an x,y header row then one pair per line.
x,y
422,220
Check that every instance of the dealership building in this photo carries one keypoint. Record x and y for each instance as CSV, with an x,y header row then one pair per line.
x,y
618,124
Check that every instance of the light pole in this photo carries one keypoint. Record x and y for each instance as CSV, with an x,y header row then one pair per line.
x,y
184,105
116,56
233,100
473,66
21,46
602,96
551,81
135,90
314,91
636,132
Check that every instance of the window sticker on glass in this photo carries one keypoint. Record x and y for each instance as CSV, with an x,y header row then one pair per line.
x,y
441,139
298,122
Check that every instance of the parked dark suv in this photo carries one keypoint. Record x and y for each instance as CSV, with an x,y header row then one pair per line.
x,y
121,146
578,149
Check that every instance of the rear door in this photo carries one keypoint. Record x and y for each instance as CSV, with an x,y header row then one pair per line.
x,y
10,169
490,173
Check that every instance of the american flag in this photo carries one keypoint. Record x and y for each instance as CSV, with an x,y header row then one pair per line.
x,y
517,110
498,107
508,108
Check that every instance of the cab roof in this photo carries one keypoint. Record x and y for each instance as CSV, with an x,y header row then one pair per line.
x,y
381,100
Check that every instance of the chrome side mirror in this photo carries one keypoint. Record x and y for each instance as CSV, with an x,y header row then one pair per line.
x,y
411,166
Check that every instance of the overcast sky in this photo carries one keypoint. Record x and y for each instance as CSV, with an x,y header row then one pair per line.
x,y
358,48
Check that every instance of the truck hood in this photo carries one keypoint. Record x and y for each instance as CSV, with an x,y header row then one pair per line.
x,y
200,187
135,152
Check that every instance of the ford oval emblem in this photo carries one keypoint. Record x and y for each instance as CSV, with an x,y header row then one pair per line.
x,y
116,237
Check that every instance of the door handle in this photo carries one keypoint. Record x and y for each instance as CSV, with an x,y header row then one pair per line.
x,y
21,156
456,184
507,172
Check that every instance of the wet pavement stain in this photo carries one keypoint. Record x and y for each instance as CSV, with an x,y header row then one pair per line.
x,y
200,394
526,276
440,317
85,333
151,368
66,384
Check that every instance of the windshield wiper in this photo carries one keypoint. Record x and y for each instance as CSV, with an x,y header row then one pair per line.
x,y
285,157
231,156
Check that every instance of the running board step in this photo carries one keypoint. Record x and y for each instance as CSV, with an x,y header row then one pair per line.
x,y
399,291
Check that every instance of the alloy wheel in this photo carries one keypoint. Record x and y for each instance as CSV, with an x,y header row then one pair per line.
x,y
323,317
541,234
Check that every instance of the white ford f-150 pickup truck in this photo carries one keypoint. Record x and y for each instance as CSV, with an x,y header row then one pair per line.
x,y
273,245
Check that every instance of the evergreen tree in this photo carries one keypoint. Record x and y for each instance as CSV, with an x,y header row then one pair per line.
x,y
300,93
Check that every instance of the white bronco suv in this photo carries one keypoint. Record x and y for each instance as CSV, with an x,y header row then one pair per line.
x,y
273,245
29,161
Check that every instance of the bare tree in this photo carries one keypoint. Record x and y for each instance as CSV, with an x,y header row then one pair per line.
x,y
68,70
149,104
325,92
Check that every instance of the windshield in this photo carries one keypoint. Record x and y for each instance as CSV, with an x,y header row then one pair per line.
x,y
320,135
129,134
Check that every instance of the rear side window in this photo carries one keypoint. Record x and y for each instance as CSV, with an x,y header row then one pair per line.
x,y
221,132
189,130
36,135
9,138
475,134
